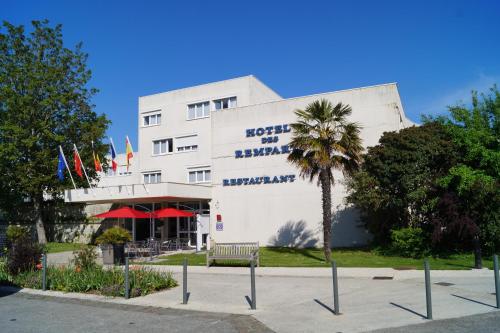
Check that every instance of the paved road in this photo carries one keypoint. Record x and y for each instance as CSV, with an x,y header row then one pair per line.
x,y
32,313
484,323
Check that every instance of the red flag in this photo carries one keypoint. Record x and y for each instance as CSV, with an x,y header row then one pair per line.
x,y
78,164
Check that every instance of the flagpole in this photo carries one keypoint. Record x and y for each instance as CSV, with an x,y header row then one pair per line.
x,y
83,167
67,166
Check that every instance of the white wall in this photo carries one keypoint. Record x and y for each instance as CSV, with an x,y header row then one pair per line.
x,y
173,106
274,213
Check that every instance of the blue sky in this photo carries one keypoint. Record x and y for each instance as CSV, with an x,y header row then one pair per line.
x,y
437,51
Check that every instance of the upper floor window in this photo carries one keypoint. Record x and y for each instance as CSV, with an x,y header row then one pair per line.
x,y
152,177
225,103
163,146
198,110
199,176
151,119
186,143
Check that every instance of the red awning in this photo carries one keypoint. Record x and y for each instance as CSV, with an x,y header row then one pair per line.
x,y
172,212
124,212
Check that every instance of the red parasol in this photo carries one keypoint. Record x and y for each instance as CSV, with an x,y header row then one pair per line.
x,y
125,212
172,212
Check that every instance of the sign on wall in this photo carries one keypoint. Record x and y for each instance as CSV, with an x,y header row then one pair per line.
x,y
269,136
218,225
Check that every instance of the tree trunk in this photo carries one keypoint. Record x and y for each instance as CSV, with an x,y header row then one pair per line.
x,y
326,189
40,229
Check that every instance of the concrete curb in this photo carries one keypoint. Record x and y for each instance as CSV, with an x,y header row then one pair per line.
x,y
52,293
316,272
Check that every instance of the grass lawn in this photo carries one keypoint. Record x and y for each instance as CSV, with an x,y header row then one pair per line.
x,y
53,247
287,257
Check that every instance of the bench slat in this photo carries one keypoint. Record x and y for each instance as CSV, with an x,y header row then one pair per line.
x,y
244,251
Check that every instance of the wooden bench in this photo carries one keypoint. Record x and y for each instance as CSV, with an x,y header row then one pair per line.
x,y
239,251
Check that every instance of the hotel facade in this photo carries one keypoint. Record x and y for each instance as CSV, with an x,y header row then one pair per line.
x,y
221,149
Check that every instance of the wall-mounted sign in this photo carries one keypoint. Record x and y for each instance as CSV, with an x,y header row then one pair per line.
x,y
258,180
268,135
264,151
269,130
219,226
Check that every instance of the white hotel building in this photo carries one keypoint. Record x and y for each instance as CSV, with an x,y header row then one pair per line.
x,y
221,148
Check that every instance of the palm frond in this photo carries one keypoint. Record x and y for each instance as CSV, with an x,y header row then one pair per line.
x,y
324,140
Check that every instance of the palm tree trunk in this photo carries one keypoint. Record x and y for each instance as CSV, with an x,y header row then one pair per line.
x,y
326,191
40,229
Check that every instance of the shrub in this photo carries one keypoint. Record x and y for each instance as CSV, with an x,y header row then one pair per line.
x,y
108,282
85,258
114,235
4,274
23,255
15,232
409,242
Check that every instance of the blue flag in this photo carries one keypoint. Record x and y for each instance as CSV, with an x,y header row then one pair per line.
x,y
60,166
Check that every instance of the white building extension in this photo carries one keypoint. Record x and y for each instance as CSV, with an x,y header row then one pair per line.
x,y
221,149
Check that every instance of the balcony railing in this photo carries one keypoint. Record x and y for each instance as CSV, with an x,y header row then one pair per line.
x,y
120,193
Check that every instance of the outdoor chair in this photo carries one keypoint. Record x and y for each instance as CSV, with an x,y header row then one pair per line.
x,y
153,246
131,250
166,246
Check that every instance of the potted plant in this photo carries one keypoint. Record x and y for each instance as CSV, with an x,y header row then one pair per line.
x,y
112,242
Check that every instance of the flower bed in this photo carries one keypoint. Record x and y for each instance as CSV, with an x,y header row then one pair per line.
x,y
96,280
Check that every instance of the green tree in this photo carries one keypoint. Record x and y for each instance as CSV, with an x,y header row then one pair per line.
x,y
44,103
473,182
394,187
323,140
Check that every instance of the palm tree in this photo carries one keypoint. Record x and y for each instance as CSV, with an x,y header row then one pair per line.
x,y
322,141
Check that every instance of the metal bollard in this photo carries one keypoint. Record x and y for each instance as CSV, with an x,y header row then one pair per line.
x,y
336,309
428,298
127,285
497,280
184,282
252,285
44,272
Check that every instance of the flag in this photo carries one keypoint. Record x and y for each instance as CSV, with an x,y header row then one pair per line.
x,y
78,163
60,166
128,151
97,161
114,165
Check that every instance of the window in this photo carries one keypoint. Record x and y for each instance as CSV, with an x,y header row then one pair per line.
x,y
163,146
186,143
199,176
198,110
225,103
152,177
151,119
